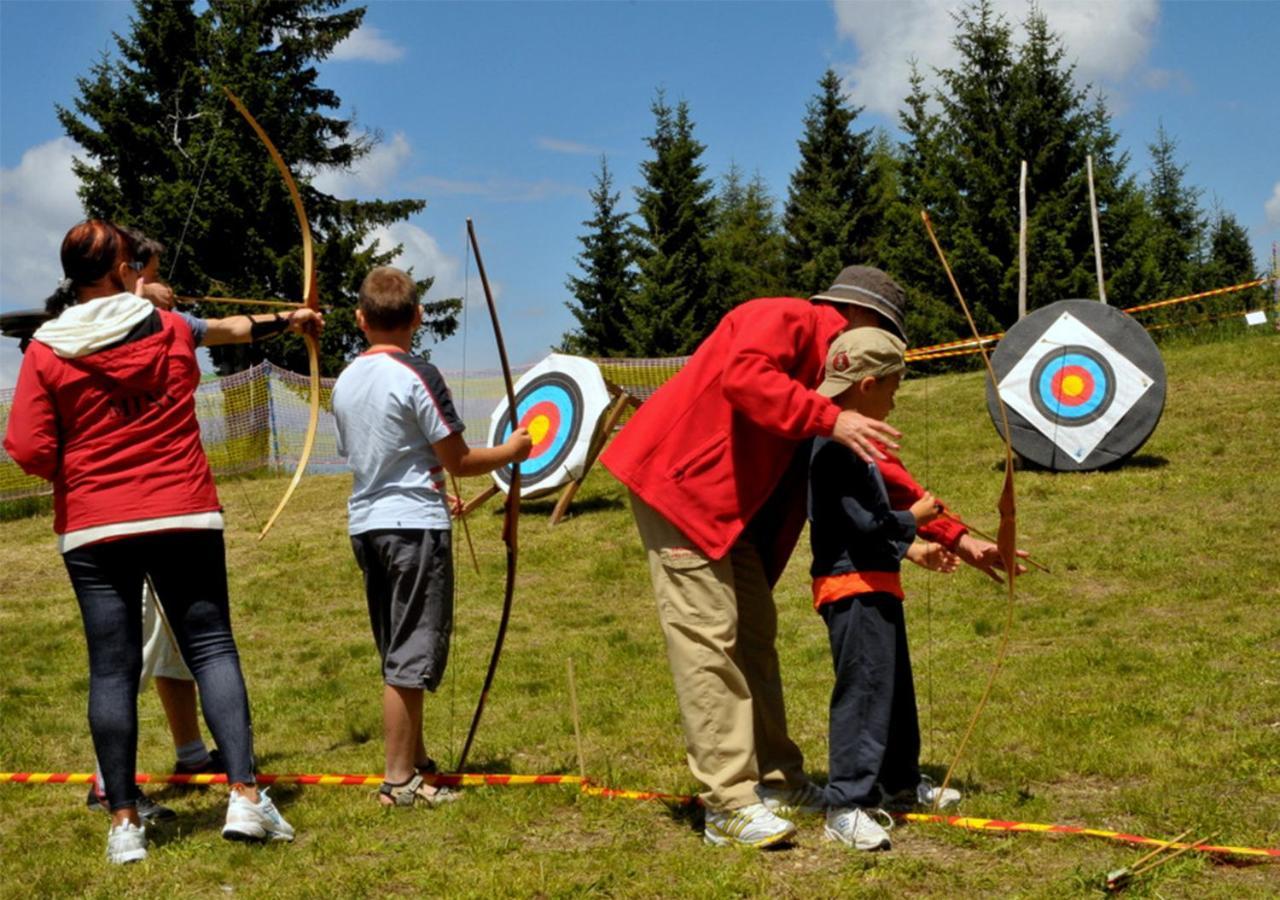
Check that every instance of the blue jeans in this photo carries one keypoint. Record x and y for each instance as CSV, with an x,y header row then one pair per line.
x,y
189,571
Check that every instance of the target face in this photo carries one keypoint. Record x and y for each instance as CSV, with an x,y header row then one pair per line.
x,y
560,401
1083,382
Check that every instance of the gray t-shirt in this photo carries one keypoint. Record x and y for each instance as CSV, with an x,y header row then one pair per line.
x,y
390,408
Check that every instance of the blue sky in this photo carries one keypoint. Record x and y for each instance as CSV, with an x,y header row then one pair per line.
x,y
500,112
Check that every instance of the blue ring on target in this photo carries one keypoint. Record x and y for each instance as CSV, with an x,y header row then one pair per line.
x,y
1056,365
557,396
560,391
1094,406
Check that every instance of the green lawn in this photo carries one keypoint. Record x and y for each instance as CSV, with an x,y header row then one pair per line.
x,y
1141,691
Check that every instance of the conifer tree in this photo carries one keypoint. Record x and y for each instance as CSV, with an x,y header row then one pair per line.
x,y
828,222
607,287
672,313
746,248
1230,261
1178,223
165,152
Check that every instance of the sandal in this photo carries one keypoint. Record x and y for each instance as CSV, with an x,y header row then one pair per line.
x,y
414,791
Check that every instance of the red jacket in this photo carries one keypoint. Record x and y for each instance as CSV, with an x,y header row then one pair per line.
x,y
711,446
115,430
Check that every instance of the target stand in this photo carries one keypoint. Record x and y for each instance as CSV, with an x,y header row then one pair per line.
x,y
1084,385
570,411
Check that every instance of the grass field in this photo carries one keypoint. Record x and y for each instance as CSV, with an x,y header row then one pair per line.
x,y
1141,691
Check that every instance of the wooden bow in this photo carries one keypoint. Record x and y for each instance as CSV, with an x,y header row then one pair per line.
x,y
1006,535
310,299
512,517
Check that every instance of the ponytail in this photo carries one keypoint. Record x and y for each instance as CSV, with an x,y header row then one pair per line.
x,y
89,251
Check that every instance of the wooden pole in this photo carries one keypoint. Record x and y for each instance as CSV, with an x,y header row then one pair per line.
x,y
478,500
577,725
1097,234
1022,242
620,404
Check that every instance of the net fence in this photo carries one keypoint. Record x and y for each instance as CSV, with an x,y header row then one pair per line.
x,y
256,420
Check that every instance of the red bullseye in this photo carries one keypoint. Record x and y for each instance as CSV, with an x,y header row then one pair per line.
x,y
543,421
1072,385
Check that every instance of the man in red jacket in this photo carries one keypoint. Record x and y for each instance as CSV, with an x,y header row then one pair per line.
x,y
717,490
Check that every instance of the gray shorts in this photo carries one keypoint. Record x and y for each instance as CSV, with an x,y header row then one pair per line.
x,y
408,582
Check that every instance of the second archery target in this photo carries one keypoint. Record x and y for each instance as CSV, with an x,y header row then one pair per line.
x,y
560,401
1083,382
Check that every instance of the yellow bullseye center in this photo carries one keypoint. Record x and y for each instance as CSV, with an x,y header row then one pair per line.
x,y
538,428
1073,385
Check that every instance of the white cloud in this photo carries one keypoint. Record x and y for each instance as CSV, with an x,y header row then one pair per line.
x,y
422,253
559,145
1272,207
1107,40
367,44
38,203
372,172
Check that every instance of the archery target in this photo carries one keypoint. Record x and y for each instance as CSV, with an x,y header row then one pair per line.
x,y
1083,382
560,401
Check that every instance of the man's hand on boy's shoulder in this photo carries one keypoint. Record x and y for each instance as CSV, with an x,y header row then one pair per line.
x,y
860,433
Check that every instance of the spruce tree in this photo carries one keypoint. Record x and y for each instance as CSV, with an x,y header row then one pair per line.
x,y
166,152
746,248
1230,261
607,287
1179,225
828,222
672,314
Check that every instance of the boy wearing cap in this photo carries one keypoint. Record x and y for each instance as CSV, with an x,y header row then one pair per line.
x,y
399,431
864,518
716,471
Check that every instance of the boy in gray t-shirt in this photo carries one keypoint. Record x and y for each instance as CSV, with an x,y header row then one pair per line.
x,y
399,432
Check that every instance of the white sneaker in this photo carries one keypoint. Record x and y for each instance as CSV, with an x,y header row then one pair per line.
x,y
927,794
804,800
127,843
858,828
751,826
249,821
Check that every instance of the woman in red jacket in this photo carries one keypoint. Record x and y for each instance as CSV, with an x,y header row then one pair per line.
x,y
105,409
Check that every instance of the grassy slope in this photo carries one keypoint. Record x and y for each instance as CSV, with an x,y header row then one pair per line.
x,y
1140,691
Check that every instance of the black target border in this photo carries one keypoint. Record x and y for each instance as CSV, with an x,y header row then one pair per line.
x,y
570,387
1108,397
1128,338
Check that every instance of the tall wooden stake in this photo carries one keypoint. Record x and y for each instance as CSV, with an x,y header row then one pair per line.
x,y
1097,234
1022,242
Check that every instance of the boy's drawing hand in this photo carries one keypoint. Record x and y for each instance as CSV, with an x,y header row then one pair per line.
x,y
305,319
934,557
159,293
519,445
926,509
985,556
858,433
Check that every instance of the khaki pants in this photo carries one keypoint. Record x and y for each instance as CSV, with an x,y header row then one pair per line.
x,y
720,625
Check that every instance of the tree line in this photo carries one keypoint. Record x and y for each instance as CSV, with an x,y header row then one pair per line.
x,y
654,282
163,151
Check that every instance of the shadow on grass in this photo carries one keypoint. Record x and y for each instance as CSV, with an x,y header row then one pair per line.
x,y
545,505
1137,461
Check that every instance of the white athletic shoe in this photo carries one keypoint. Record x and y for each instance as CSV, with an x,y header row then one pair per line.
x,y
127,843
927,794
856,827
249,821
751,826
804,800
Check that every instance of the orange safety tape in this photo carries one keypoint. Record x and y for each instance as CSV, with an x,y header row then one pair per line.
x,y
587,787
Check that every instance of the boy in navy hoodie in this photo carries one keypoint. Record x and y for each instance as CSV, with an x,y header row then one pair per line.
x,y
864,519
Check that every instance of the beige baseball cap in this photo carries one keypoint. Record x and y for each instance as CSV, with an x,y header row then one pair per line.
x,y
862,353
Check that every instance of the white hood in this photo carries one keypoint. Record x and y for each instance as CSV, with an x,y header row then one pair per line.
x,y
87,327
